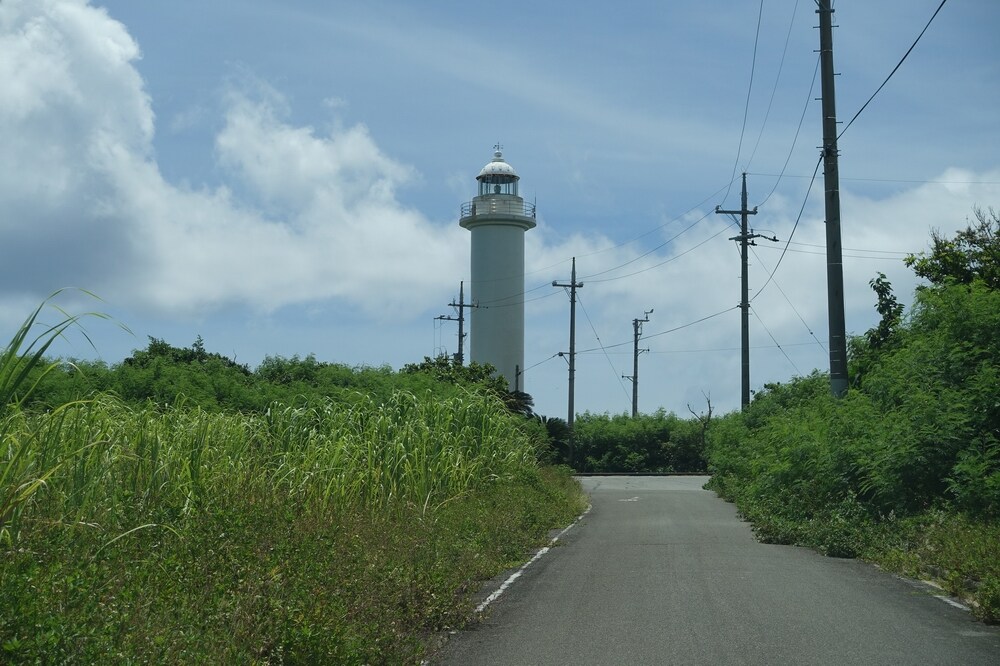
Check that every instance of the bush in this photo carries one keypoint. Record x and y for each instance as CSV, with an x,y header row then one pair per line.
x,y
658,442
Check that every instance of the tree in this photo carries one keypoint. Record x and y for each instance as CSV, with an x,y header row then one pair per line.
x,y
866,350
889,308
446,369
973,254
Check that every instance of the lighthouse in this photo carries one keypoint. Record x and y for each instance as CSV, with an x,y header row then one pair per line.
x,y
498,218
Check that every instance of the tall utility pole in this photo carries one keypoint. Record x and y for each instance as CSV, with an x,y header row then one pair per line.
x,y
461,305
637,333
572,286
831,179
745,239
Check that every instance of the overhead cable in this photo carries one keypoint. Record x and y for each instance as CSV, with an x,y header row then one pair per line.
x,y
794,227
898,65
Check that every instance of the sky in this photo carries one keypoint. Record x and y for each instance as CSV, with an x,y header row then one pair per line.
x,y
285,177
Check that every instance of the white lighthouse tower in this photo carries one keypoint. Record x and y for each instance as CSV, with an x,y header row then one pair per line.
x,y
498,218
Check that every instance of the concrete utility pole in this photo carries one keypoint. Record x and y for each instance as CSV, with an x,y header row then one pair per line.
x,y
745,239
572,286
461,305
831,179
637,333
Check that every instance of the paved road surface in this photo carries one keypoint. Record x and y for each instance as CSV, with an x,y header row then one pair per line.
x,y
662,572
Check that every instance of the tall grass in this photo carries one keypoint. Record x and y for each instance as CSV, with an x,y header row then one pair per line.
x,y
320,532
104,463
116,466
24,465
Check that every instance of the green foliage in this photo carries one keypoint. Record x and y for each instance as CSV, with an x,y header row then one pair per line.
x,y
658,442
22,368
957,550
974,254
477,376
164,375
329,532
864,351
179,514
445,369
260,577
906,468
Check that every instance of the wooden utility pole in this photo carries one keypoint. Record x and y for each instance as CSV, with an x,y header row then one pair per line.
x,y
831,179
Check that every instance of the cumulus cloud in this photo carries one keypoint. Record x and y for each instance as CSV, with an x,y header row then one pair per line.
x,y
308,216
316,216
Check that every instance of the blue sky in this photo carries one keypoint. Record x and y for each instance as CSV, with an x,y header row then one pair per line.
x,y
285,177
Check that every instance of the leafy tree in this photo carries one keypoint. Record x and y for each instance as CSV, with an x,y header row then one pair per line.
x,y
973,254
865,350
445,369
890,310
475,375
559,434
658,442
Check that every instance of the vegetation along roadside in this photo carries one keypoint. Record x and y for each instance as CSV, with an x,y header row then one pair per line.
x,y
346,528
180,507
904,471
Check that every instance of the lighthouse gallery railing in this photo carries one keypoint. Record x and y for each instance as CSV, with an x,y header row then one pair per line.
x,y
498,207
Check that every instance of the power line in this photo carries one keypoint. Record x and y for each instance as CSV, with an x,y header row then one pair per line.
x,y
668,260
810,343
857,249
847,256
794,227
670,330
777,344
592,328
898,65
746,108
889,180
646,254
540,362
789,301
696,321
698,205
774,89
795,139
500,302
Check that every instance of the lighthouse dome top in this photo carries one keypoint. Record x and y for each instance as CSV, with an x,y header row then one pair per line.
x,y
497,167
497,177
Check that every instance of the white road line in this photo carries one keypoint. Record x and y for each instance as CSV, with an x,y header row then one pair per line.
x,y
517,574
952,602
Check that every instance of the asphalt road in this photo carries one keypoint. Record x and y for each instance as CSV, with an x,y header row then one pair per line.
x,y
663,572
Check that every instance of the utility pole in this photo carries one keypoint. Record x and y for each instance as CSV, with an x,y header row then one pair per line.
x,y
461,305
745,239
572,286
637,332
831,179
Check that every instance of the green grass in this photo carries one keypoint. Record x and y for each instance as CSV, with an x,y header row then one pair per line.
x,y
320,533
956,551
259,579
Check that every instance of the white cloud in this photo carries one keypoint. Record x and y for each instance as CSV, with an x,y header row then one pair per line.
x,y
312,216
316,217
